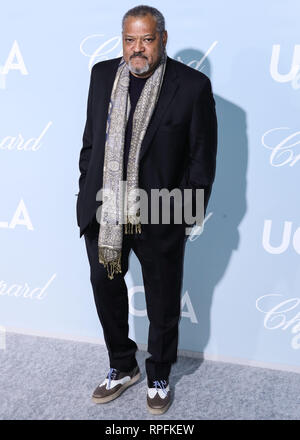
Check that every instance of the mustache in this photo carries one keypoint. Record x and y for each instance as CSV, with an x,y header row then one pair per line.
x,y
140,56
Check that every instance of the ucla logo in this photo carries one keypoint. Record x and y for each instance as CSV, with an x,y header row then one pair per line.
x,y
14,61
288,237
293,75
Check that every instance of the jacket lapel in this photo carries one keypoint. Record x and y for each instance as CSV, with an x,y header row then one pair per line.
x,y
168,89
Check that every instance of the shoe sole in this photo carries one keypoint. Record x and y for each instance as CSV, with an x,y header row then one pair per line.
x,y
118,392
158,410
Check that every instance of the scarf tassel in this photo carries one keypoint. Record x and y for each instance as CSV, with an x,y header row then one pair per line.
x,y
113,266
133,228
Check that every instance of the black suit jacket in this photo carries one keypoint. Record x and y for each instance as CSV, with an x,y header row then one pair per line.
x,y
178,150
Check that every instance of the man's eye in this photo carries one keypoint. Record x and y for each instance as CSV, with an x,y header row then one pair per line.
x,y
130,39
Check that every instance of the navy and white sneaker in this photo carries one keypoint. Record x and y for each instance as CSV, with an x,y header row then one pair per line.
x,y
158,396
114,384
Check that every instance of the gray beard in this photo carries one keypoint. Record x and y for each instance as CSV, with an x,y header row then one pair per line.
x,y
138,70
146,68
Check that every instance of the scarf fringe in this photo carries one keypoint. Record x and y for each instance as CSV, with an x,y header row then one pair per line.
x,y
133,228
113,266
106,255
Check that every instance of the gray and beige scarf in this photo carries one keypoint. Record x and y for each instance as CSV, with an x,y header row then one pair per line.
x,y
120,198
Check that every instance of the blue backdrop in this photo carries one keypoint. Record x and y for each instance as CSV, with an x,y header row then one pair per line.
x,y
240,297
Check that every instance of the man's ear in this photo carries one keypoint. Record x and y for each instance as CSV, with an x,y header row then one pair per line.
x,y
165,37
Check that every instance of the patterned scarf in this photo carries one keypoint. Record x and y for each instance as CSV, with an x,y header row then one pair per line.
x,y
122,198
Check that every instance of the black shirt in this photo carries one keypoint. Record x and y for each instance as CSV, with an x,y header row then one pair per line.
x,y
135,89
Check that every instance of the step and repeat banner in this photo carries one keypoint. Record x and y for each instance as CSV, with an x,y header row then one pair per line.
x,y
240,292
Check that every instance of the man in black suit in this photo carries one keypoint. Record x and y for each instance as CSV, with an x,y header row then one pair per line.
x,y
178,150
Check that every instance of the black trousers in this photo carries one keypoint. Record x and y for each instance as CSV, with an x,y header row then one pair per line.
x,y
162,277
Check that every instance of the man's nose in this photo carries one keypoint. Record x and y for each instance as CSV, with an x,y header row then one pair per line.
x,y
138,47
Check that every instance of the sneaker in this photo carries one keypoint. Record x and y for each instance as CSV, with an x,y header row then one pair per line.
x,y
158,396
115,383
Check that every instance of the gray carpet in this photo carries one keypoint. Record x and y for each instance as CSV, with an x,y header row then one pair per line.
x,y
52,379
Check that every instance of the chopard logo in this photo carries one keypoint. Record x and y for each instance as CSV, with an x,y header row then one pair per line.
x,y
284,151
197,64
18,143
104,51
111,48
282,316
24,291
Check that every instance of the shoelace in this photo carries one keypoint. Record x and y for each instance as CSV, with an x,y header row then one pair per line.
x,y
111,375
161,384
